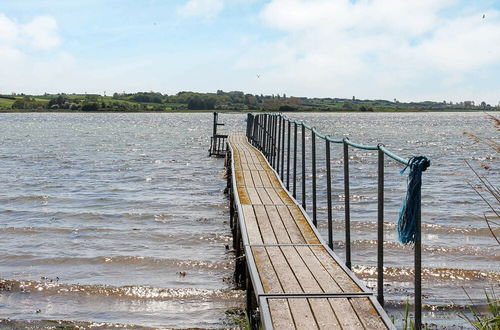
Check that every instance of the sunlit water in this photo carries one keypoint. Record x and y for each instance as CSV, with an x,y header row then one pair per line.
x,y
121,218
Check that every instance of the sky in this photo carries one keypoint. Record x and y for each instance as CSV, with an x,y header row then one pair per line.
x,y
411,50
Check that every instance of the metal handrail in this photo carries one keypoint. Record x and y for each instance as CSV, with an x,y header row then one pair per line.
x,y
267,133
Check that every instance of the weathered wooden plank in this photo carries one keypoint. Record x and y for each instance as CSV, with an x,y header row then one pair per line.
x,y
271,179
304,227
273,195
239,178
256,178
252,166
290,225
302,314
324,314
263,195
281,315
268,276
302,273
264,177
253,231
321,275
345,313
367,313
342,279
237,159
266,230
262,167
285,197
253,195
278,227
243,195
247,179
286,275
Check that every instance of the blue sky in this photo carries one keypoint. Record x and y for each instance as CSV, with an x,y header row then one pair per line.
x,y
379,49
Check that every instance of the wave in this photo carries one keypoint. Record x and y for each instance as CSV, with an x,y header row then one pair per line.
x,y
55,230
427,228
53,287
401,274
134,261
63,324
441,306
465,250
28,198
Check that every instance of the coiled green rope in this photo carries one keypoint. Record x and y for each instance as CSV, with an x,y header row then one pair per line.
x,y
407,222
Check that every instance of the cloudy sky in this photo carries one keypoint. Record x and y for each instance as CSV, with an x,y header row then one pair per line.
x,y
385,49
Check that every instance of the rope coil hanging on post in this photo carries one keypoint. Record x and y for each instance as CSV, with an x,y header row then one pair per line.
x,y
411,203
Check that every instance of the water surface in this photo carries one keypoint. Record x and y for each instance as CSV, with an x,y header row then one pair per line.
x,y
101,215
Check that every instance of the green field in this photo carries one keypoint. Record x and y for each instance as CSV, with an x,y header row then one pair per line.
x,y
6,103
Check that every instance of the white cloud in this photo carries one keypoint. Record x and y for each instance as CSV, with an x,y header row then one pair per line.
x,y
379,48
201,8
29,54
8,29
39,34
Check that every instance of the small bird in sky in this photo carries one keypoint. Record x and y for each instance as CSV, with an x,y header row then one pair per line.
x,y
258,76
484,15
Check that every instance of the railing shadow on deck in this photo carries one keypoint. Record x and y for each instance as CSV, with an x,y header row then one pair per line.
x,y
276,136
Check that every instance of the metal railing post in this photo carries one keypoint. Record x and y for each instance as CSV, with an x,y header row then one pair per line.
x,y
288,156
380,229
278,146
274,152
264,136
270,154
295,162
271,139
313,151
304,166
214,128
261,132
347,207
418,268
255,129
268,136
282,148
329,193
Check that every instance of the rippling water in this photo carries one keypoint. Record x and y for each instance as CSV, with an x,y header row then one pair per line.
x,y
101,215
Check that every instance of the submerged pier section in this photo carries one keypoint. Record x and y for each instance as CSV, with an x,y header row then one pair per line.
x,y
293,279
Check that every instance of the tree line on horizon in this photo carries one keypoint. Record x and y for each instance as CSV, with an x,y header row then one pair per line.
x,y
233,100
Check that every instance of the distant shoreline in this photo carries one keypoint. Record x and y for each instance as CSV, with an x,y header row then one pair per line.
x,y
241,111
238,101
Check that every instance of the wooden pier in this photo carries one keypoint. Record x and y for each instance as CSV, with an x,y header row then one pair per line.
x,y
293,279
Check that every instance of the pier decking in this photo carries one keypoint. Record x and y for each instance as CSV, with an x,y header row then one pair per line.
x,y
293,278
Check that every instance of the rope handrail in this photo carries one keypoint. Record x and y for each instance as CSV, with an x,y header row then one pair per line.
x,y
379,146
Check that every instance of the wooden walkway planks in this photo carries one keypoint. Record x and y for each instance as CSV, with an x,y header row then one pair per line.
x,y
304,286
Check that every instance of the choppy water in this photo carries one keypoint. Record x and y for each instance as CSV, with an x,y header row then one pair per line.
x,y
101,215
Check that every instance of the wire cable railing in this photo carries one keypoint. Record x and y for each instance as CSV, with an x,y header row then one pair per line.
x,y
276,136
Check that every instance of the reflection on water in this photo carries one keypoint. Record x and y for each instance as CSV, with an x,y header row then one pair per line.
x,y
113,219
